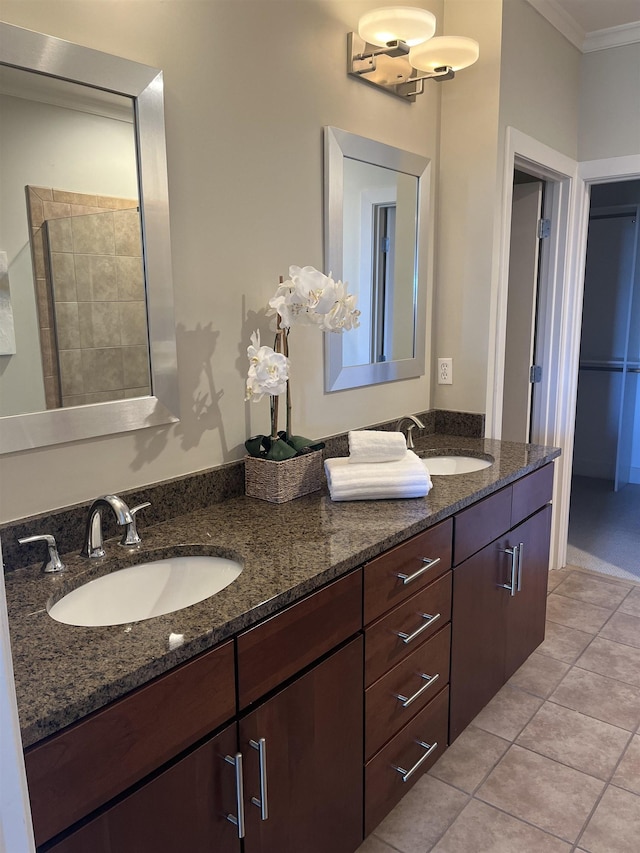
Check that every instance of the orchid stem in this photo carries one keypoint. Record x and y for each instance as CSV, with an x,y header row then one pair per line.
x,y
285,343
274,417
282,345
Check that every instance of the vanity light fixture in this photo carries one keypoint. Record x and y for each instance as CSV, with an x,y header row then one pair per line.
x,y
395,44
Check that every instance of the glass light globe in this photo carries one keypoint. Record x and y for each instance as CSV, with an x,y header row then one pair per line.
x,y
456,52
405,23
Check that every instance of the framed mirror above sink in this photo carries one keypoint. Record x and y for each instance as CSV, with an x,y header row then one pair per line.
x,y
84,219
378,239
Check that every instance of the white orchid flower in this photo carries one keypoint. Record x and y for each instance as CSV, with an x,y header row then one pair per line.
x,y
268,370
343,315
311,298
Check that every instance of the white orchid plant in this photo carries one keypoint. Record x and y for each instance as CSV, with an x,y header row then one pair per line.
x,y
307,298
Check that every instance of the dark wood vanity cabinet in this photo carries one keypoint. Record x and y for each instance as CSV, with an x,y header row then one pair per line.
x,y
296,747
407,606
499,595
314,723
312,731
81,768
184,807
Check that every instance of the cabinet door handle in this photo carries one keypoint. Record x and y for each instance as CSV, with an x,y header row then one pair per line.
x,y
428,564
407,774
238,820
520,550
407,638
513,553
407,700
261,803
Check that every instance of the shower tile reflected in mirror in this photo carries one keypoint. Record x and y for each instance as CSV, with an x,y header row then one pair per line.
x,y
91,298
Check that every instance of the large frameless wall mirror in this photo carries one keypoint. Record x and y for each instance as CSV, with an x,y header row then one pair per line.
x,y
376,226
87,331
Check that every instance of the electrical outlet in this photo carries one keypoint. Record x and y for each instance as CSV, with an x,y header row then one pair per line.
x,y
445,371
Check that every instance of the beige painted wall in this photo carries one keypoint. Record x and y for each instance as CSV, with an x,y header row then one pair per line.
x,y
528,78
244,138
245,173
466,203
610,103
539,80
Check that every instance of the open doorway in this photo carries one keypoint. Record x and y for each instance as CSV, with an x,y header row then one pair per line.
x,y
604,516
521,371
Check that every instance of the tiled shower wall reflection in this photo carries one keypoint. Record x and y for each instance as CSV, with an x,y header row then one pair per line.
x,y
91,301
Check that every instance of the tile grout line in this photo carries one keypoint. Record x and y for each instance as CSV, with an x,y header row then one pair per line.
x,y
473,795
523,820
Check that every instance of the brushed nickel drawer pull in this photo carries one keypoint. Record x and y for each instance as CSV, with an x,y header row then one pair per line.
x,y
429,564
520,550
513,553
407,774
407,638
407,700
261,746
238,821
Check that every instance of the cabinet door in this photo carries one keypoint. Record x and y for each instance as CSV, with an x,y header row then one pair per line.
x,y
127,741
478,631
527,609
313,731
183,808
494,632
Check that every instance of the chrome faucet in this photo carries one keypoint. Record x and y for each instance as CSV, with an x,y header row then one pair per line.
x,y
93,534
53,563
415,422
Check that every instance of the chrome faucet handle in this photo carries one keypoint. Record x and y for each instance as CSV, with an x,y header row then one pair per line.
x,y
53,563
131,535
410,429
414,421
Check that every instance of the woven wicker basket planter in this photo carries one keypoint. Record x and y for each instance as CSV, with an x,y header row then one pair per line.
x,y
279,482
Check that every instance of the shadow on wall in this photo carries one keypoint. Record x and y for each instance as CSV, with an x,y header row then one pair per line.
x,y
196,348
254,321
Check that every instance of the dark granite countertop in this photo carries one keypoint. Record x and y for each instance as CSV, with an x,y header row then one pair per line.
x,y
64,672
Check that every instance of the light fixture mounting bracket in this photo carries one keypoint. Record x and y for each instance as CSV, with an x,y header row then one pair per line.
x,y
362,63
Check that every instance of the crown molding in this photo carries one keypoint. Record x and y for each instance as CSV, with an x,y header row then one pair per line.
x,y
573,32
561,20
612,37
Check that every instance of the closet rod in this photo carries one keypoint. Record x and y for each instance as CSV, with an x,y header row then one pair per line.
x,y
609,368
604,368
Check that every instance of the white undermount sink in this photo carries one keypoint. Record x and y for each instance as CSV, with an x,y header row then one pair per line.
x,y
444,464
145,590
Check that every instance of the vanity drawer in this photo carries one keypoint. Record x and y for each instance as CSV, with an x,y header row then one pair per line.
x,y
276,649
530,493
384,785
383,588
128,740
384,647
481,523
385,712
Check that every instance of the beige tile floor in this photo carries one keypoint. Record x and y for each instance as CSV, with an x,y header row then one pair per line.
x,y
553,762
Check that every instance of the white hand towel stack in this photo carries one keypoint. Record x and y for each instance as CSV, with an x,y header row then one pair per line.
x,y
370,445
395,473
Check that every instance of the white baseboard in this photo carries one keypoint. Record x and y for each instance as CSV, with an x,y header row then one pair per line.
x,y
600,468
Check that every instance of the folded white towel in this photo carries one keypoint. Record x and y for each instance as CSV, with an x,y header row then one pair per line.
x,y
371,445
407,478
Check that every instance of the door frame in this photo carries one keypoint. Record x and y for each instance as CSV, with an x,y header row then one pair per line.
x,y
562,286
557,283
516,383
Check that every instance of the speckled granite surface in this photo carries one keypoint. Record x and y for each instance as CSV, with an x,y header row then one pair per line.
x,y
64,672
191,492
